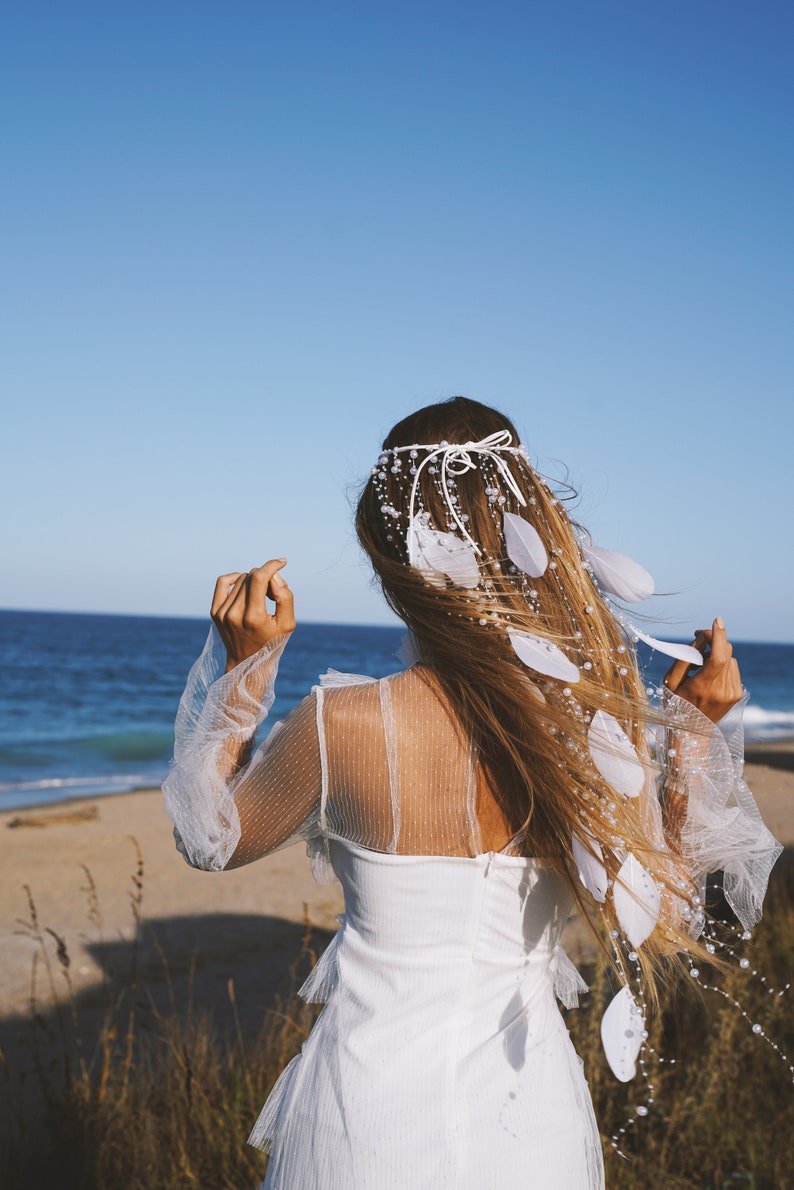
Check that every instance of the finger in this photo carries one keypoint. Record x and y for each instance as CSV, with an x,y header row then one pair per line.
x,y
676,674
259,582
679,670
222,588
285,603
233,610
261,575
737,687
702,641
721,649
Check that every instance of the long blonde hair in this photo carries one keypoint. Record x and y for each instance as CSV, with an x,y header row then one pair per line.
x,y
531,732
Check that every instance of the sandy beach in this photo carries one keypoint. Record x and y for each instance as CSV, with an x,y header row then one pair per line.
x,y
200,929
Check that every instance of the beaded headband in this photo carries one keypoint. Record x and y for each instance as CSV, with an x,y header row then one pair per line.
x,y
451,554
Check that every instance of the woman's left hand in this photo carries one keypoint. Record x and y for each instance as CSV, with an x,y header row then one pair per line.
x,y
717,685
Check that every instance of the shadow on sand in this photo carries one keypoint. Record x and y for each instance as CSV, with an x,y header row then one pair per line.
x,y
771,757
226,968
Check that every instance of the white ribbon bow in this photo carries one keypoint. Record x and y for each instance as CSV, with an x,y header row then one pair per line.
x,y
456,459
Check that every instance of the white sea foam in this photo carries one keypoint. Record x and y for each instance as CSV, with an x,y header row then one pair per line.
x,y
69,782
761,724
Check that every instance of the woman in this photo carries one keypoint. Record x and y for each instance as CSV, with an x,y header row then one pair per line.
x,y
465,805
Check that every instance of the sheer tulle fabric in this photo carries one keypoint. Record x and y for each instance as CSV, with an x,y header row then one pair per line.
x,y
723,829
440,1058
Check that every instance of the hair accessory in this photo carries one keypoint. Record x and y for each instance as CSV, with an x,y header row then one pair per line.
x,y
619,574
668,647
622,1029
614,755
436,553
440,554
541,655
524,546
589,860
456,459
637,900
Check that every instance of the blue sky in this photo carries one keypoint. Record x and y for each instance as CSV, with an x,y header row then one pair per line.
x,y
241,239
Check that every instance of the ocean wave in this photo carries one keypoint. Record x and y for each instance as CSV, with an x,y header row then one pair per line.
x,y
112,747
763,724
23,795
100,784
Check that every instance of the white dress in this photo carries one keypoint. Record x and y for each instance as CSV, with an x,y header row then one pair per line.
x,y
440,1058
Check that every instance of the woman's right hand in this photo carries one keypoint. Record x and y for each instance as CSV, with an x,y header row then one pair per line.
x,y
239,610
717,686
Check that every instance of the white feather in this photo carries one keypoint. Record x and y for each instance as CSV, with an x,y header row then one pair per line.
x,y
438,554
589,860
524,546
542,656
614,755
619,574
637,900
670,648
622,1027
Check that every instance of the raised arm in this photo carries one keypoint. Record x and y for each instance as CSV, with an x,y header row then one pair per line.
x,y
710,816
229,803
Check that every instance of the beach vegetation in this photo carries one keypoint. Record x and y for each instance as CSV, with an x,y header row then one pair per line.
x,y
153,1097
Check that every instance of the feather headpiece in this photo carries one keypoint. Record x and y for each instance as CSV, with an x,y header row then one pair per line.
x,y
451,554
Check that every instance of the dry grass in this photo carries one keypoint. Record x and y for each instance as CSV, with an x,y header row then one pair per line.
x,y
169,1105
723,1111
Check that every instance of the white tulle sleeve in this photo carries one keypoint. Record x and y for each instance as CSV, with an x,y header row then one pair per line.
x,y
231,801
721,827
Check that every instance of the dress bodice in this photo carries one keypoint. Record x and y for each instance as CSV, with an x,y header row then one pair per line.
x,y
489,908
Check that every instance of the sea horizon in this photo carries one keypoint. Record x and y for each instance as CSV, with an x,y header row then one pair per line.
x,y
89,700
668,630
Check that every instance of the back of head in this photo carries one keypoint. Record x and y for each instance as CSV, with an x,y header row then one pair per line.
x,y
458,419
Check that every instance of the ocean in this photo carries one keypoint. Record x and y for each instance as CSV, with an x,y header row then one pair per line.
x,y
88,701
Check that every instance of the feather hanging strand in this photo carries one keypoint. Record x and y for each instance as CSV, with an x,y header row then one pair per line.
x,y
668,647
524,546
619,574
541,655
